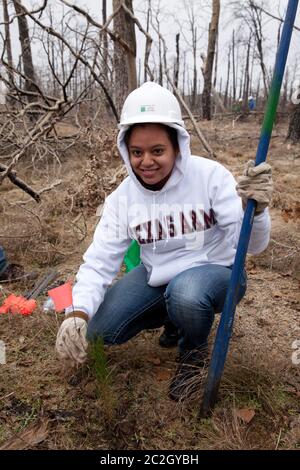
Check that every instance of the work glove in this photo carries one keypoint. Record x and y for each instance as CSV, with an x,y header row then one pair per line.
x,y
71,343
257,184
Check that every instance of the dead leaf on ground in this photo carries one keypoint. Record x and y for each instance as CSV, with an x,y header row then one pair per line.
x,y
28,437
125,376
262,322
245,414
286,274
277,294
154,360
163,374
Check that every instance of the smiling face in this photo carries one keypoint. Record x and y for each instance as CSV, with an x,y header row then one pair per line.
x,y
152,153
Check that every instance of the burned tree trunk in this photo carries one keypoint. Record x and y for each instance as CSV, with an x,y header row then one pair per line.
x,y
247,77
183,74
194,92
216,61
257,27
124,60
176,68
8,49
294,127
227,80
213,33
160,68
104,42
28,67
147,30
285,89
234,77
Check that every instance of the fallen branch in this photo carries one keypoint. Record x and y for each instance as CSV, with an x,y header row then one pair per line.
x,y
44,190
52,186
41,127
20,183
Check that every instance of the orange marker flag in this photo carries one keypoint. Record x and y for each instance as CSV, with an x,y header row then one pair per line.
x,y
61,296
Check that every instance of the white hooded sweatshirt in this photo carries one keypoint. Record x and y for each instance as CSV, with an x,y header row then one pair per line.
x,y
195,219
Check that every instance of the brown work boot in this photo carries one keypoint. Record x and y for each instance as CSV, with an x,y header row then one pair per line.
x,y
189,374
15,272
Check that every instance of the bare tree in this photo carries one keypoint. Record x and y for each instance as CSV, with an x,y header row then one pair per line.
x,y
27,61
293,78
273,16
256,19
233,66
192,25
247,77
184,74
252,15
212,37
227,79
155,11
216,62
294,126
147,29
285,88
104,39
125,70
176,67
8,50
181,100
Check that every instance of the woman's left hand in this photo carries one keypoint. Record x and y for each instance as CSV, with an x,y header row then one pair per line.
x,y
257,184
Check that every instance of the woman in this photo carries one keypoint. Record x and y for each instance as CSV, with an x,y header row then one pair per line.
x,y
185,213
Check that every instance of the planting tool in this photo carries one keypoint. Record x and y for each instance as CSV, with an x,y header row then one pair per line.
x,y
227,317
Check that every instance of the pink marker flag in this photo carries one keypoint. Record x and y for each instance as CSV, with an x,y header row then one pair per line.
x,y
61,296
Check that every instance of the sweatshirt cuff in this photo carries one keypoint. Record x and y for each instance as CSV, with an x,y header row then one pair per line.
x,y
74,308
77,314
261,215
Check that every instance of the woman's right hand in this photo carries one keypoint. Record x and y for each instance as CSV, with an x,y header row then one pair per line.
x,y
71,343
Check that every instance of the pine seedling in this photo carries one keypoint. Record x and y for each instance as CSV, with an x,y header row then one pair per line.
x,y
102,374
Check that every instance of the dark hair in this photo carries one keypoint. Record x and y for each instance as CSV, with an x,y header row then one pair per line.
x,y
172,133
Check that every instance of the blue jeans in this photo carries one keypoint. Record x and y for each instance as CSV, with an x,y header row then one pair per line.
x,y
3,260
190,301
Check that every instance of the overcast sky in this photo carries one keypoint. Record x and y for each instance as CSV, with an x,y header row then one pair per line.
x,y
173,19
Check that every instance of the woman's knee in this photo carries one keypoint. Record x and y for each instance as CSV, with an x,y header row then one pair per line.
x,y
184,298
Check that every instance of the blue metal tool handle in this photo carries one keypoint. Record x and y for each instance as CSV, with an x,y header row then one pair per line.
x,y
226,323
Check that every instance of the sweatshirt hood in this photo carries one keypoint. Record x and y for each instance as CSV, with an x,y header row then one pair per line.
x,y
180,161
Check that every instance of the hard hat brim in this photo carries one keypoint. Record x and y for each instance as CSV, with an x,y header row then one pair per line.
x,y
149,119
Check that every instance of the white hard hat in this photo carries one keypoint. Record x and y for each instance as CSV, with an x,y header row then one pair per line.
x,y
240,100
151,103
251,98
